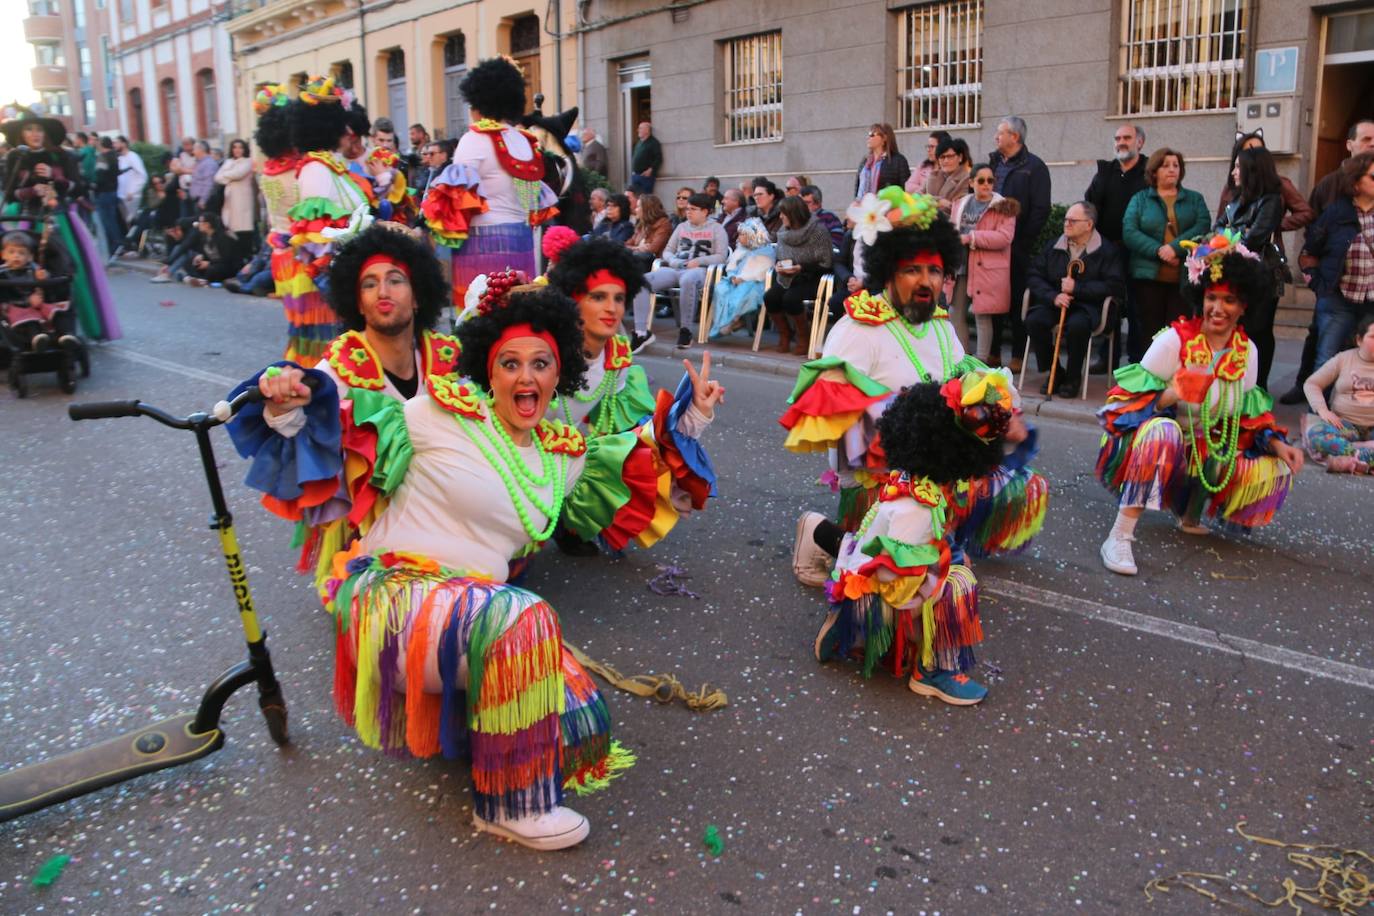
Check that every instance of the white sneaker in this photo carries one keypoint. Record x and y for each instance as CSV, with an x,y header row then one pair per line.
x,y
556,829
1117,556
810,564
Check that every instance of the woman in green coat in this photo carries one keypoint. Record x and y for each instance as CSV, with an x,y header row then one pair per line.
x,y
1157,220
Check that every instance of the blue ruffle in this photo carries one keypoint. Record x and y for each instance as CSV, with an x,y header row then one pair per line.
x,y
282,465
1025,451
688,447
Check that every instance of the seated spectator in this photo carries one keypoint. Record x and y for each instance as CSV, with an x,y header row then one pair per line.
x,y
949,181
255,277
811,196
740,292
216,258
694,246
711,188
766,197
793,186
1098,276
596,200
1343,434
183,241
145,221
731,213
987,226
679,214
652,228
616,223
804,253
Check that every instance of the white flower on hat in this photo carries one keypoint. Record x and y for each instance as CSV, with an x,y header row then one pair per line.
x,y
869,216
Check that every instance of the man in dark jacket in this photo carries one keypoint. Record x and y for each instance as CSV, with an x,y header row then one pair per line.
x,y
1116,182
646,160
1022,176
1081,295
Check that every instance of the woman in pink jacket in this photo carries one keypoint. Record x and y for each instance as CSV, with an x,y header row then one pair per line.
x,y
986,222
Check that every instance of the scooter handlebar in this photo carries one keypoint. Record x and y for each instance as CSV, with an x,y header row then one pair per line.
x,y
104,410
224,410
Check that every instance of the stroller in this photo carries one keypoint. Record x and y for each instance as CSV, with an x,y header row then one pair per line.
x,y
22,325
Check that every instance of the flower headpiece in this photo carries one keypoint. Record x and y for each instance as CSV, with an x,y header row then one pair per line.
x,y
891,208
556,240
321,90
270,96
983,402
1209,254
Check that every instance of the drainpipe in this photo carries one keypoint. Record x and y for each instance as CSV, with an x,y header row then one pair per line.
x,y
362,51
558,57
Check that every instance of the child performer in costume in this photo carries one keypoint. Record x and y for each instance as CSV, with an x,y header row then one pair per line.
x,y
435,650
894,589
42,182
276,176
883,344
334,205
485,202
1187,428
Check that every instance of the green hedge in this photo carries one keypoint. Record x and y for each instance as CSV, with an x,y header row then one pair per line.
x,y
594,180
152,155
1053,228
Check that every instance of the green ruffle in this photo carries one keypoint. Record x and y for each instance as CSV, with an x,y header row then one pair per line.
x,y
387,416
812,371
904,555
600,492
633,402
1256,403
1136,379
969,363
318,208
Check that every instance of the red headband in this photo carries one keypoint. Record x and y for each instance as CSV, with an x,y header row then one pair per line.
x,y
602,277
387,260
1222,287
928,258
516,331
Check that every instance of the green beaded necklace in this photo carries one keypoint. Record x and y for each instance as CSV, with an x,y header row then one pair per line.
x,y
500,452
906,336
1223,447
606,392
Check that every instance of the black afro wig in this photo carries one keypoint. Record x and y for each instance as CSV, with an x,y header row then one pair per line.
x,y
581,259
880,258
273,135
1251,280
355,116
919,435
316,127
426,279
496,88
545,309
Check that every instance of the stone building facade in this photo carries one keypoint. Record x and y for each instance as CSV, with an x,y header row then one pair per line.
x,y
73,69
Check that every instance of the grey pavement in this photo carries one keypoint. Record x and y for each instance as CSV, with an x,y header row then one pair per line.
x,y
1131,722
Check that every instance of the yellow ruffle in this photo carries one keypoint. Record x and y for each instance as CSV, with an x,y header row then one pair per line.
x,y
819,434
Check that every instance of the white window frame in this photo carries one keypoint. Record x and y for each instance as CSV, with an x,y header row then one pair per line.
x,y
940,65
752,96
1181,57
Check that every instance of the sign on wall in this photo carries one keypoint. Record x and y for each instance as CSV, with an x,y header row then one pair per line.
x,y
1276,71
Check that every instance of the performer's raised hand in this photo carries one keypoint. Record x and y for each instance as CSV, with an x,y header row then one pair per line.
x,y
284,390
706,391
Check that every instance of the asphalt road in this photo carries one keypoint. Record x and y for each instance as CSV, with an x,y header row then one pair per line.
x,y
1131,723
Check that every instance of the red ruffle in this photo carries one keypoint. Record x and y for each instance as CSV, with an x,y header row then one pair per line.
x,y
641,476
883,561
450,208
313,493
825,398
359,441
695,487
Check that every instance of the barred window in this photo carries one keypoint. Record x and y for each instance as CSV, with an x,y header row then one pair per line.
x,y
940,65
1182,55
753,88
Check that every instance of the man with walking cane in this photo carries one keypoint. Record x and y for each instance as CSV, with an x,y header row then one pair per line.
x,y
1069,284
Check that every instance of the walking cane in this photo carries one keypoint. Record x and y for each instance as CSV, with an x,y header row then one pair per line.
x,y
1076,266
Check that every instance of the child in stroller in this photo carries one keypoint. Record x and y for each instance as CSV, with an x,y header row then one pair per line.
x,y
36,321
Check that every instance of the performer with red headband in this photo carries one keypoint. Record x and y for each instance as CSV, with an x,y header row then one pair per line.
x,y
886,343
1188,428
436,652
897,590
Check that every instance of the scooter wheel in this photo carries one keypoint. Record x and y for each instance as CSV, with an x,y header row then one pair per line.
x,y
276,722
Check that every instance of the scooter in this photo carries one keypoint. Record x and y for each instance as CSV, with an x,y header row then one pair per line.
x,y
188,736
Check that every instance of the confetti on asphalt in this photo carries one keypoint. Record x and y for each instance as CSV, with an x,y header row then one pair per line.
x,y
51,870
712,841
666,585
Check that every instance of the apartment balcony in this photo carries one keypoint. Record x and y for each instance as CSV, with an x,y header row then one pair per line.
x,y
50,79
255,20
43,28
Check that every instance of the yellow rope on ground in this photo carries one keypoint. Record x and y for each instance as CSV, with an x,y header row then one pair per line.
x,y
662,687
1340,886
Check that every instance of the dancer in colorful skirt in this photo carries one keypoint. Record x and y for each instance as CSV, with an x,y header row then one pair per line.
x,y
41,181
334,204
895,590
436,653
276,176
883,344
484,203
1187,428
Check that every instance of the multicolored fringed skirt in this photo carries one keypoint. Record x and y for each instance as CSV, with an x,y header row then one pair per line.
x,y
489,249
430,661
91,298
311,323
1149,469
939,634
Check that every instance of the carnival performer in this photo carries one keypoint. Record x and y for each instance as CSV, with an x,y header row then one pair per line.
x,y
333,205
484,203
1187,428
883,344
895,590
435,651
42,181
276,176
